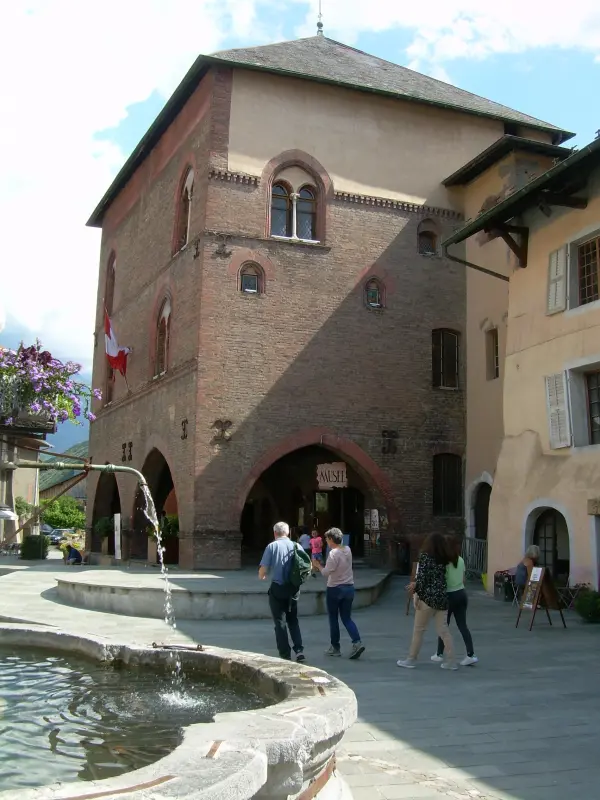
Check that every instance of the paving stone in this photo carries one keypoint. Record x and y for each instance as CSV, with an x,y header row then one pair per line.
x,y
523,724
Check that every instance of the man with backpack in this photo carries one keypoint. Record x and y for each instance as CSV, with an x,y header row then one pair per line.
x,y
289,567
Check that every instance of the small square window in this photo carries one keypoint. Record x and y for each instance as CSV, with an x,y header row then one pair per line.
x,y
250,283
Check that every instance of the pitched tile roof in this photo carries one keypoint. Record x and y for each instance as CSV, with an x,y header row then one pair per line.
x,y
52,477
321,58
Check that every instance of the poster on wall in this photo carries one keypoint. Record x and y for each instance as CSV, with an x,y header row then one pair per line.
x,y
367,519
374,519
117,519
383,520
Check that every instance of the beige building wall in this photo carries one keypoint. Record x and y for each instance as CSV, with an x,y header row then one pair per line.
x,y
368,144
531,476
381,147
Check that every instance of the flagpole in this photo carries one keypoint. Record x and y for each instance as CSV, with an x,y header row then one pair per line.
x,y
127,384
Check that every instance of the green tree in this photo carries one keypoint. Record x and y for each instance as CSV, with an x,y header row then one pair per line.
x,y
66,512
22,507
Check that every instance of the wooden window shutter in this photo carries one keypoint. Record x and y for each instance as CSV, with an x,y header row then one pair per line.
x,y
558,413
557,281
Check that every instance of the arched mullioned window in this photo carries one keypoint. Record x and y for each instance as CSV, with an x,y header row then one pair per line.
x,y
427,238
374,294
281,210
294,213
306,213
184,211
163,326
252,279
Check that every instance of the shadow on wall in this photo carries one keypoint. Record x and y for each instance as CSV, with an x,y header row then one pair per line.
x,y
319,356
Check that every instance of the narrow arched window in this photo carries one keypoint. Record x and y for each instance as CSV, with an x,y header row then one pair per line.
x,y
109,294
162,338
445,351
447,485
427,238
281,211
306,214
251,279
184,211
373,294
109,299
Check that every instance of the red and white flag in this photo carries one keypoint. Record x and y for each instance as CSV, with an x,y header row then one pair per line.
x,y
117,356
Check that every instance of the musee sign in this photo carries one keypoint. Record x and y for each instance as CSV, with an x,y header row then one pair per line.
x,y
332,476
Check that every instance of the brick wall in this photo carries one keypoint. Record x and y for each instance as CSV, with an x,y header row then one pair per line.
x,y
305,363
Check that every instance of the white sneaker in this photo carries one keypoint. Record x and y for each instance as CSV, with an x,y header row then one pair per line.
x,y
437,658
469,660
449,665
408,663
332,651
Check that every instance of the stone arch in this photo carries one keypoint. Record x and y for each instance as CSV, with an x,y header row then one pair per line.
x,y
534,513
107,503
161,482
339,445
471,493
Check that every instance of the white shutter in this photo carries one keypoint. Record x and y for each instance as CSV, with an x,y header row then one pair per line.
x,y
557,281
558,414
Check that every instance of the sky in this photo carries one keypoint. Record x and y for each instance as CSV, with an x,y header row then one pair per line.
x,y
82,82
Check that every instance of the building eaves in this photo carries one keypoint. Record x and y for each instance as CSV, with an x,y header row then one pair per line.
x,y
498,150
321,60
578,165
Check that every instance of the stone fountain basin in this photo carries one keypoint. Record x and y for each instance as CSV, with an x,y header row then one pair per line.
x,y
198,595
274,752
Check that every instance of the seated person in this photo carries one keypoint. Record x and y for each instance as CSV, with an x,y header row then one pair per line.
x,y
73,556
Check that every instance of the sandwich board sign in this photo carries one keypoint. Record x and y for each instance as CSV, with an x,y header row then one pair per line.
x,y
540,592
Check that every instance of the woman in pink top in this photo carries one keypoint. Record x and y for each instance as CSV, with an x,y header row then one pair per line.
x,y
316,548
340,593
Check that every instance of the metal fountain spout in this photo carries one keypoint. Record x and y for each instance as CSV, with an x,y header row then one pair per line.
x,y
81,465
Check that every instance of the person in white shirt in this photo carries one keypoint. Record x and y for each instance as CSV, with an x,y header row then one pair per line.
x,y
304,541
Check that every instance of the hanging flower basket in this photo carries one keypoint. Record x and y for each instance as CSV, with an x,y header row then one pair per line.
x,y
38,391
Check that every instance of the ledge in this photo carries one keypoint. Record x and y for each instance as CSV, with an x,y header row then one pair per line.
x,y
271,752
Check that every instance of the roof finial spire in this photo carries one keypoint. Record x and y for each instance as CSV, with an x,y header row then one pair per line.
x,y
320,22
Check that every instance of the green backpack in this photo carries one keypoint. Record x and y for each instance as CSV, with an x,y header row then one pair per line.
x,y
300,568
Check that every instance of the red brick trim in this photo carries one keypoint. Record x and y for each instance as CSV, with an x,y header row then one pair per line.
x,y
323,185
188,163
338,445
220,117
383,202
245,256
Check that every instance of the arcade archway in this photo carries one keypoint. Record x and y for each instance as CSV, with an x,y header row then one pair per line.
x,y
551,535
288,490
107,503
160,482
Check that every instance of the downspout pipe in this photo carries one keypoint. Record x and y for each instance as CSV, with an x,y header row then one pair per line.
x,y
470,264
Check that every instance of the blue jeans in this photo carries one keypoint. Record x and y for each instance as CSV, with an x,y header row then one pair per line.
x,y
339,602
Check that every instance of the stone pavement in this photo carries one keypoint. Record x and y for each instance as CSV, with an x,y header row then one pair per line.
x,y
521,725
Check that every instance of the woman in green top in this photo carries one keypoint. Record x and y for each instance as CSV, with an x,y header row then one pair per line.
x,y
457,605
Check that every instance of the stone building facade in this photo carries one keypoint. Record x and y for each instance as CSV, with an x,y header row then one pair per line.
x,y
271,253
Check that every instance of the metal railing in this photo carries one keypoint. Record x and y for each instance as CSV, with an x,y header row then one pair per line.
x,y
475,556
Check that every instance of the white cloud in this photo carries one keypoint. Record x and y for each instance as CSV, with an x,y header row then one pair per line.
x,y
71,69
443,30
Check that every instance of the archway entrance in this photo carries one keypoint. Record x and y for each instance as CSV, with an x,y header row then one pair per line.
x,y
481,510
107,503
288,491
160,482
551,535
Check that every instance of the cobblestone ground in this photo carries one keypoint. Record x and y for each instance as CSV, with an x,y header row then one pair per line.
x,y
521,725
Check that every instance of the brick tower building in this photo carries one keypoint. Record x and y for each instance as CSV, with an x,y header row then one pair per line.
x,y
271,253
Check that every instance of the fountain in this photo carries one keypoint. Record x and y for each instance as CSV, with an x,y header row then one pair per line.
x,y
280,746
